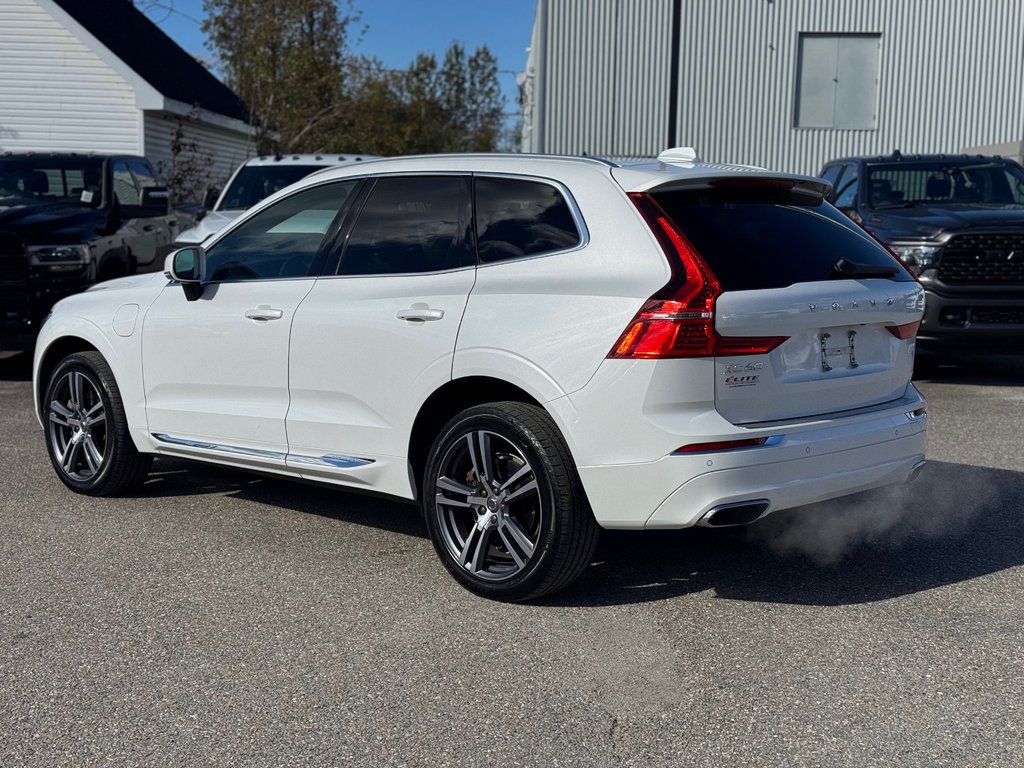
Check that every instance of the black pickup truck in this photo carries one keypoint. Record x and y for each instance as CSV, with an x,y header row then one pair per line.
x,y
958,222
68,221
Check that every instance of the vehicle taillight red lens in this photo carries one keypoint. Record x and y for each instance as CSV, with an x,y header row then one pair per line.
x,y
905,331
679,320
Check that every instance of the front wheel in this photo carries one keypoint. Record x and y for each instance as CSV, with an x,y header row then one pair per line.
x,y
504,505
86,429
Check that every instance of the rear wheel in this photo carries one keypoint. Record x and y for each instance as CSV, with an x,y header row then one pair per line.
x,y
504,505
86,429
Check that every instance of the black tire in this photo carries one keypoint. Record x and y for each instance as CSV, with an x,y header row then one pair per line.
x,y
532,533
86,430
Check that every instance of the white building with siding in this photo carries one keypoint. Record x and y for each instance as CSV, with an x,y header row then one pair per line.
x,y
98,76
786,84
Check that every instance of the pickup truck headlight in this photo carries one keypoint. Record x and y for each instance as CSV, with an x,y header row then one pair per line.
x,y
60,258
917,256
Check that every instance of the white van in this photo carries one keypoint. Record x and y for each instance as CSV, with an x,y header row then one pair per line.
x,y
254,180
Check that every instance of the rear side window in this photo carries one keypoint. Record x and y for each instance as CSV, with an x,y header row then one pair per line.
x,y
516,217
753,240
411,224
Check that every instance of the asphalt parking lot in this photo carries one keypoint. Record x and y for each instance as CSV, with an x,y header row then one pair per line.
x,y
221,618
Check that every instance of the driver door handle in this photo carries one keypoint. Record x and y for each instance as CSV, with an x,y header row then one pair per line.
x,y
264,313
420,313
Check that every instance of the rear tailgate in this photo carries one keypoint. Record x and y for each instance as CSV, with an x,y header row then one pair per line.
x,y
840,353
790,265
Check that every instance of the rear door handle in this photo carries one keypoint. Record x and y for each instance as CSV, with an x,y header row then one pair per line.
x,y
264,313
420,313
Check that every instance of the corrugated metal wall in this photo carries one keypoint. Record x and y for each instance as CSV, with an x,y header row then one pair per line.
x,y
951,75
55,94
216,151
597,78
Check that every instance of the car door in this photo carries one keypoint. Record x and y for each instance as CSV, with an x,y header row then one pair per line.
x,y
155,233
371,342
216,369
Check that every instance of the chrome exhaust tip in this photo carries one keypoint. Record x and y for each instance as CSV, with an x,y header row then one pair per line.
x,y
738,513
915,471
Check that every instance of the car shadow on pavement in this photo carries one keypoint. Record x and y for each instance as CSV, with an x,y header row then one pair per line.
x,y
954,523
15,366
179,477
980,370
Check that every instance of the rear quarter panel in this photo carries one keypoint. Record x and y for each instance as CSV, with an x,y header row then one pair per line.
x,y
547,322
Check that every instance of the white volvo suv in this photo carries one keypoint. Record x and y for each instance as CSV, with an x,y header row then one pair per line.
x,y
532,347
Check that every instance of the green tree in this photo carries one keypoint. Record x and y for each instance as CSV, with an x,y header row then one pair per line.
x,y
308,92
454,107
285,60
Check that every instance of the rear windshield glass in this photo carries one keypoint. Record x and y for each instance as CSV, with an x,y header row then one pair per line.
x,y
764,239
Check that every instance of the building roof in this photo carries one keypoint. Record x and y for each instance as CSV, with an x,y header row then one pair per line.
x,y
157,59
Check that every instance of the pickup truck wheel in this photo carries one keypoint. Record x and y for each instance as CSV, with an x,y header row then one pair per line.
x,y
504,505
86,429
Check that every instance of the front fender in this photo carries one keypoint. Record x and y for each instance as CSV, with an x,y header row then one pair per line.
x,y
122,353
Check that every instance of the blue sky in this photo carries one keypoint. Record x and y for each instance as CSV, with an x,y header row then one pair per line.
x,y
396,30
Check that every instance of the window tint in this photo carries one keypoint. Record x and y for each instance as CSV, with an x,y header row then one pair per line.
x,y
256,182
124,185
521,218
411,224
71,179
281,241
831,174
846,194
755,240
944,182
143,175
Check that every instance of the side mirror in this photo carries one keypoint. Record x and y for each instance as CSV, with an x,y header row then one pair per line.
x,y
188,267
210,197
155,201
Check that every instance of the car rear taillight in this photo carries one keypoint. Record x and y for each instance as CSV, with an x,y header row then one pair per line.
x,y
905,331
679,320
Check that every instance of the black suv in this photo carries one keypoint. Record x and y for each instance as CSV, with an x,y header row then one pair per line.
x,y
958,222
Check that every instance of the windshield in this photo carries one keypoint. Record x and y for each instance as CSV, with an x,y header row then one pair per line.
x,y
255,182
40,180
906,184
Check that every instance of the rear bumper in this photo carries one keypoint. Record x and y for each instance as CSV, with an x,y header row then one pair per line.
x,y
808,465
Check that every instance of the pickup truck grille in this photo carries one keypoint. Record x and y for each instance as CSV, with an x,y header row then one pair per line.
x,y
982,259
13,264
998,315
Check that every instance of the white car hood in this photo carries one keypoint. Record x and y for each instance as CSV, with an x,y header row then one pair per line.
x,y
213,222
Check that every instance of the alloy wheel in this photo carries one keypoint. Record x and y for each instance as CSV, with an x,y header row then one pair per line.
x,y
77,426
488,506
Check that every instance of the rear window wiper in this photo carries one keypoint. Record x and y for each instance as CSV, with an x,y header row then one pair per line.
x,y
891,206
846,268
